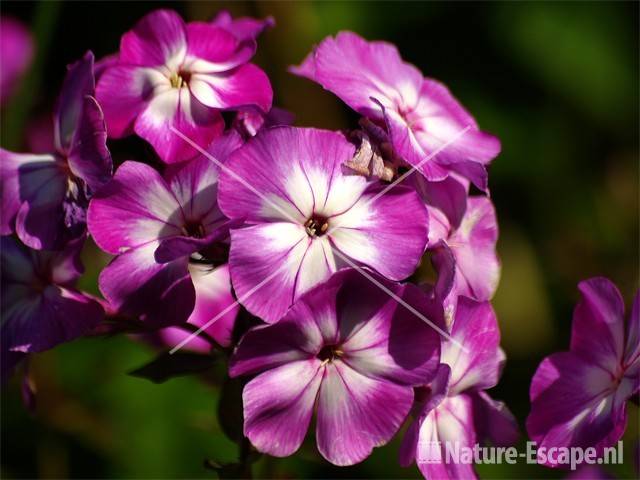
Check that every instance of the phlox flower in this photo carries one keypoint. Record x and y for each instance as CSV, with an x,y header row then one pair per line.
x,y
578,397
154,224
463,232
40,306
420,114
299,207
45,196
172,74
454,407
346,351
16,54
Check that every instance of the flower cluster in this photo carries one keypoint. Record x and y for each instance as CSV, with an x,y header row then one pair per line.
x,y
311,237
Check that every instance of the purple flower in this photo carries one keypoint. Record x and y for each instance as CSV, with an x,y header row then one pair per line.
x,y
454,407
420,114
45,196
154,225
303,215
40,306
463,232
578,397
16,54
214,308
345,349
172,74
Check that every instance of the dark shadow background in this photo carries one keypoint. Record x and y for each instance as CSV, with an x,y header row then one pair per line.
x,y
557,82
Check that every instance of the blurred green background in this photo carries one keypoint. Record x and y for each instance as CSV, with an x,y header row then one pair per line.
x,y
557,82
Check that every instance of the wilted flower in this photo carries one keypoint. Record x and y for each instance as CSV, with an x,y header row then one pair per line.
x,y
454,407
420,114
172,74
154,225
289,188
45,196
346,350
578,398
40,306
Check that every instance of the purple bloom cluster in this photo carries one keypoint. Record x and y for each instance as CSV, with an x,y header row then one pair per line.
x,y
313,236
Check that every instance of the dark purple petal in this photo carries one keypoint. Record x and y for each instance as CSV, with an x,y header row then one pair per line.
x,y
68,112
89,157
494,421
134,283
449,196
576,404
598,324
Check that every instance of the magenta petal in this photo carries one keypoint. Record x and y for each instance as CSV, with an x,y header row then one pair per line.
x,y
444,263
88,156
135,208
278,404
356,70
244,28
67,115
436,392
451,421
448,196
573,404
244,86
179,109
474,246
135,284
159,38
213,49
357,413
264,262
494,421
173,248
476,328
389,234
632,349
123,91
195,186
597,331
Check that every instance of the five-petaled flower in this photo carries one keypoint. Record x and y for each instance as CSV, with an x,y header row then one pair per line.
x,y
454,407
172,74
155,224
297,203
420,114
578,398
343,347
40,306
